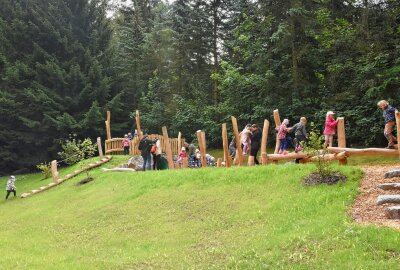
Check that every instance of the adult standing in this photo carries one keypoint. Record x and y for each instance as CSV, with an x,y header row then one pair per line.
x,y
156,154
255,146
145,148
191,150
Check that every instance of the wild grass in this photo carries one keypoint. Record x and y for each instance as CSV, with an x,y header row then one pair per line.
x,y
213,218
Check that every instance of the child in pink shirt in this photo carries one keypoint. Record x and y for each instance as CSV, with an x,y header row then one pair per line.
x,y
282,131
330,128
181,155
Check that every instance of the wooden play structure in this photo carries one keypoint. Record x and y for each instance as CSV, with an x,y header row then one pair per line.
x,y
113,146
339,153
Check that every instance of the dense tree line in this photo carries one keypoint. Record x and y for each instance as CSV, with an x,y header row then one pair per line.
x,y
190,65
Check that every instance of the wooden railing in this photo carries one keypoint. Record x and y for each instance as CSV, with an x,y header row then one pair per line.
x,y
114,146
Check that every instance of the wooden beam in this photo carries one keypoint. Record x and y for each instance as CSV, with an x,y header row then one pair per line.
x,y
277,120
219,162
140,134
365,151
168,150
225,144
185,163
341,132
108,125
397,114
99,148
239,153
179,142
250,161
275,157
264,142
201,138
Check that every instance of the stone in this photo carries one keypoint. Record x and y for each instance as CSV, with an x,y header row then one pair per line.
x,y
392,212
387,186
382,199
391,174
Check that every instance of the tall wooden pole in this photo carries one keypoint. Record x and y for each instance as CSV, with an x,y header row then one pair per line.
x,y
397,114
99,148
341,137
108,125
201,140
239,153
227,158
203,155
179,142
140,134
264,140
54,171
277,120
168,150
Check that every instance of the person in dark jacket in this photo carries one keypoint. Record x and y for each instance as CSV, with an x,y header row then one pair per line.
x,y
145,148
255,146
300,133
390,119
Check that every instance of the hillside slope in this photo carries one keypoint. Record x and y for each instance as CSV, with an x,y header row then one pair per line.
x,y
245,218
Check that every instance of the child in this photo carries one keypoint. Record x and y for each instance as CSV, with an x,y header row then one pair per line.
x,y
11,186
282,131
389,116
300,133
125,144
330,128
181,155
245,138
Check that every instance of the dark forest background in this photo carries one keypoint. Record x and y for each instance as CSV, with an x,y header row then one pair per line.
x,y
190,65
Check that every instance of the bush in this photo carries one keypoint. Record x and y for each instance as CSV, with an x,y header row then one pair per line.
x,y
45,169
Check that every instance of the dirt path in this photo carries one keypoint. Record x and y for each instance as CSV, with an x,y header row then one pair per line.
x,y
365,210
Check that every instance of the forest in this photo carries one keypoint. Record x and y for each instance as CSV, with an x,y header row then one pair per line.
x,y
190,65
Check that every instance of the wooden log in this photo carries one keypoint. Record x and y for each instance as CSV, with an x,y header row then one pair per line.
x,y
201,141
392,212
397,114
277,120
219,162
382,199
339,156
99,148
264,158
225,144
393,173
54,171
250,161
364,152
239,153
179,142
264,141
185,163
108,125
168,150
140,133
341,138
275,157
389,186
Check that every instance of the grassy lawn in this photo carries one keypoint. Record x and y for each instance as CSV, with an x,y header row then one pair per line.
x,y
236,218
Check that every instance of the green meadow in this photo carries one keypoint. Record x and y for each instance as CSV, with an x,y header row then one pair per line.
x,y
214,218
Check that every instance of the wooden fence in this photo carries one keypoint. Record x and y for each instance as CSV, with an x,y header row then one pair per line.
x,y
114,146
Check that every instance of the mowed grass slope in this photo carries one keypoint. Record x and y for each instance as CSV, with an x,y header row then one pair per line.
x,y
237,218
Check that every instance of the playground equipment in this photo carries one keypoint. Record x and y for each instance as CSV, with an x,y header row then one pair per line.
x,y
340,153
113,146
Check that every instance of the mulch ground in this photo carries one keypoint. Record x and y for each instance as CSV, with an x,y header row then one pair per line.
x,y
365,210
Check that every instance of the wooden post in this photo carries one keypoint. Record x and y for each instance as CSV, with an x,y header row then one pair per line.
x,y
239,153
168,150
341,137
185,163
219,162
108,125
227,158
201,140
179,142
99,148
54,171
250,161
140,134
397,114
264,142
277,120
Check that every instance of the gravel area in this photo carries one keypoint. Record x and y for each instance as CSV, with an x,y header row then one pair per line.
x,y
365,210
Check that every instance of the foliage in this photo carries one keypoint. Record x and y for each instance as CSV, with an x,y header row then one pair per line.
x,y
315,148
45,168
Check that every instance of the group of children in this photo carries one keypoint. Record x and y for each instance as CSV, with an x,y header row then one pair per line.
x,y
194,156
300,133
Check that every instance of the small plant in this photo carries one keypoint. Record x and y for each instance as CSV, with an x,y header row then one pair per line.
x,y
45,168
315,148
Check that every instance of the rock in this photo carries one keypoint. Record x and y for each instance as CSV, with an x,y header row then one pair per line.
x,y
387,186
392,212
391,174
382,199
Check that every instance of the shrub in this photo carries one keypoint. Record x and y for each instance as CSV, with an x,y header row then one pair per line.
x,y
45,169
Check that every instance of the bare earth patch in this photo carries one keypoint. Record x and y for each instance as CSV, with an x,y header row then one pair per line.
x,y
365,210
